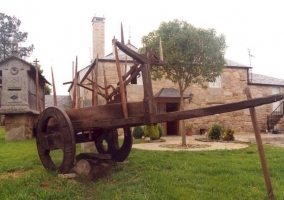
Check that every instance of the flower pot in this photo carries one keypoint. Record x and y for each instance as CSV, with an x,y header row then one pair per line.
x,y
189,133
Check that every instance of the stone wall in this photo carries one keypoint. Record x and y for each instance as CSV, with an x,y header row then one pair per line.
x,y
19,126
233,82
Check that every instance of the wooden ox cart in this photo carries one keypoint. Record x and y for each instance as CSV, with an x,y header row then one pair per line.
x,y
58,129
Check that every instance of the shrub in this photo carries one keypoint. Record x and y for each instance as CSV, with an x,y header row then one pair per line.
x,y
151,131
137,132
189,127
161,130
215,132
228,135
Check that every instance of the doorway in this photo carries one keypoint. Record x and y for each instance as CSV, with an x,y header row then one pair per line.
x,y
172,127
275,90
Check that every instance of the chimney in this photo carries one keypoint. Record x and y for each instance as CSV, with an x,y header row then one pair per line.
x,y
98,37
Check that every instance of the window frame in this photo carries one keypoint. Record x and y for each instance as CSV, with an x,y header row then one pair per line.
x,y
217,83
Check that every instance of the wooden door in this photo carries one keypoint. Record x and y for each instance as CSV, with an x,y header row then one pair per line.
x,y
172,126
161,108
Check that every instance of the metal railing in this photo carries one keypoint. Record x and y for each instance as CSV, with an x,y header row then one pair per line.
x,y
275,116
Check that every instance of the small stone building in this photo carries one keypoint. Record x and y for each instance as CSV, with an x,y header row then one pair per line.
x,y
18,97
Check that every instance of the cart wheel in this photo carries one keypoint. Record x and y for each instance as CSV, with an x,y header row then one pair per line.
x,y
55,140
117,152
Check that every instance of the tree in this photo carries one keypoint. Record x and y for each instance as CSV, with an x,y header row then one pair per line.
x,y
193,56
47,89
9,28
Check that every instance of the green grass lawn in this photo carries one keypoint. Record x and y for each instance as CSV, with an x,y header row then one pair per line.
x,y
220,174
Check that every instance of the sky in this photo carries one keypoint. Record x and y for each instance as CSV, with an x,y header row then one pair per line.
x,y
60,30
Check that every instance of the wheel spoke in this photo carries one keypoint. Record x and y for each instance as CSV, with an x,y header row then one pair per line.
x,y
111,137
55,140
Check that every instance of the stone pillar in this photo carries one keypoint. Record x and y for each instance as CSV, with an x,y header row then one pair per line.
x,y
19,126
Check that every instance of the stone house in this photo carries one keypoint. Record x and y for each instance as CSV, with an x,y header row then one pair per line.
x,y
18,94
227,88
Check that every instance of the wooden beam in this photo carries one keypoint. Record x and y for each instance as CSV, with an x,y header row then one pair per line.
x,y
138,57
74,100
149,103
201,112
85,87
70,82
121,85
125,66
105,84
121,33
113,117
37,89
260,147
54,89
95,83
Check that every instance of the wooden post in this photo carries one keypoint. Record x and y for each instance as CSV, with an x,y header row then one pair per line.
x,y
122,35
54,89
121,85
95,83
149,103
260,147
75,86
38,101
125,67
105,83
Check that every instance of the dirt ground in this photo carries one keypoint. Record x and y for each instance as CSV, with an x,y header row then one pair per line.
x,y
172,143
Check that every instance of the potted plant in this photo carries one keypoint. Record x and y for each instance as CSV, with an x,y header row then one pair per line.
x,y
189,129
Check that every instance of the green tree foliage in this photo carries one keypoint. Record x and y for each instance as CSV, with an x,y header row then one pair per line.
x,y
228,135
161,130
137,132
215,132
47,89
151,131
9,28
193,55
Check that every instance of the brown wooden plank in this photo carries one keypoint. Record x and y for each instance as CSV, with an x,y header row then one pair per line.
x,y
121,33
104,112
105,84
37,88
121,85
149,103
136,56
54,89
109,117
95,83
119,123
201,112
74,99
260,148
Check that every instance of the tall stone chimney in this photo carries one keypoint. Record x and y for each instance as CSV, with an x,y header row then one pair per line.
x,y
98,37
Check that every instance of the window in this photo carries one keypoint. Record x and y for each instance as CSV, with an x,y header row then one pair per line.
x,y
138,80
216,84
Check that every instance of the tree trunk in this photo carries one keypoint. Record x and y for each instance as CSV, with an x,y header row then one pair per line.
x,y
181,122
